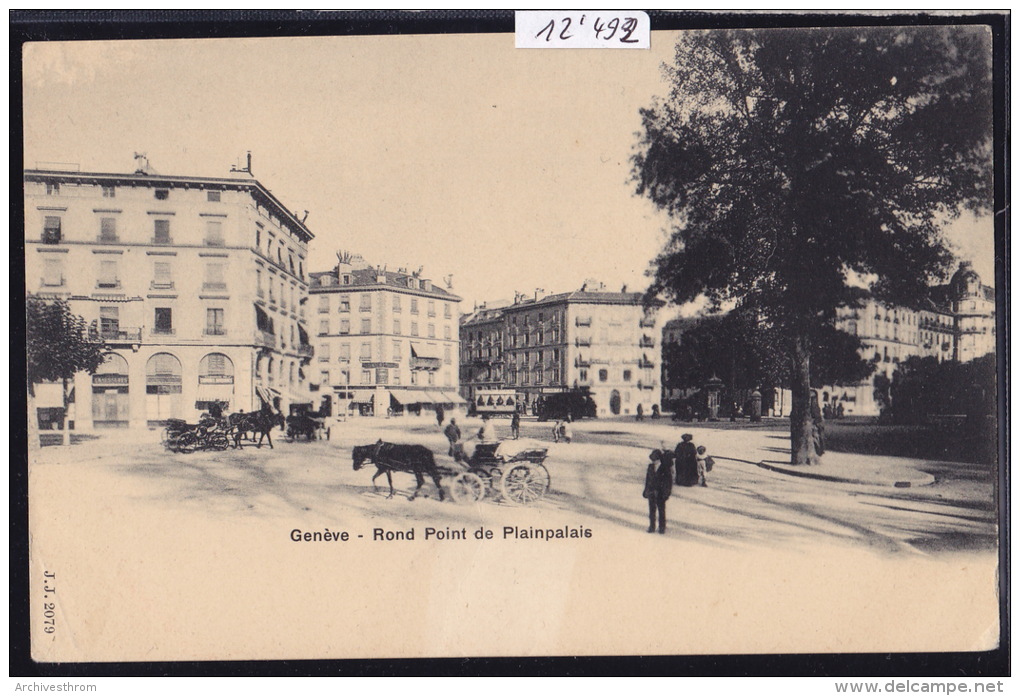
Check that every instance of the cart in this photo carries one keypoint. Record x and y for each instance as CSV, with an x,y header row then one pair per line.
x,y
512,470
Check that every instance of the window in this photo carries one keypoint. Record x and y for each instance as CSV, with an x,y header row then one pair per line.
x,y
366,326
52,189
109,322
603,375
161,231
162,194
396,350
432,330
323,352
213,233
214,277
345,326
345,351
108,229
396,326
446,355
414,328
108,276
446,332
258,238
51,230
397,305
109,192
626,375
162,278
432,308
163,322
366,303
258,283
323,304
366,351
212,196
283,295
366,376
414,305
214,322
345,304
324,327
53,272
583,375
446,310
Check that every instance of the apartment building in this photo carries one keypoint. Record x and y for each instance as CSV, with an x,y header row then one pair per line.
x,y
386,343
196,286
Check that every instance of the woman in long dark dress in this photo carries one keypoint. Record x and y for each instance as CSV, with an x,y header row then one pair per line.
x,y
686,461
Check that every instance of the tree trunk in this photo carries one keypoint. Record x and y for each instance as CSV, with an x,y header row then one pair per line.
x,y
34,443
802,440
66,433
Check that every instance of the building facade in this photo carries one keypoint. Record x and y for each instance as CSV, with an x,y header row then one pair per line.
x,y
386,343
196,286
591,339
957,322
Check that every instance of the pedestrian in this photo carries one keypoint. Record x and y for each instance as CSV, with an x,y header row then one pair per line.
x,y
556,431
686,461
487,433
658,488
640,412
515,424
565,432
702,465
817,425
452,433
440,415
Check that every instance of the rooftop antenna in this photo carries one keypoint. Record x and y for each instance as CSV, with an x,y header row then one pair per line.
x,y
246,170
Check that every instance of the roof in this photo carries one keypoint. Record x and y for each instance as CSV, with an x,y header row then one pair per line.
x,y
367,279
586,297
257,189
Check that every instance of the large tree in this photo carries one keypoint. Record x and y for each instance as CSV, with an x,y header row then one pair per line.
x,y
58,346
796,163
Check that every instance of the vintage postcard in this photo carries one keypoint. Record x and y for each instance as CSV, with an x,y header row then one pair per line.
x,y
428,345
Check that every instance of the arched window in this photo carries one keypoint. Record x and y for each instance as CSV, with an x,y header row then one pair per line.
x,y
163,368
113,364
216,368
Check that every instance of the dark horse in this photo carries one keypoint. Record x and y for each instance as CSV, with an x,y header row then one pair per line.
x,y
260,422
388,457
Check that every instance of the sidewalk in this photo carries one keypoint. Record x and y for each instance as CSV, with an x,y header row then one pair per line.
x,y
898,472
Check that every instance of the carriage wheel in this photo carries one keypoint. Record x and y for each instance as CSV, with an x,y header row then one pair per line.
x,y
467,488
487,479
164,437
187,442
525,483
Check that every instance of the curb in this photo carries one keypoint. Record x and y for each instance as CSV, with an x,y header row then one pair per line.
x,y
785,469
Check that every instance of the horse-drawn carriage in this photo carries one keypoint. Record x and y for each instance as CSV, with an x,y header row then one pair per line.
x,y
305,425
207,434
513,471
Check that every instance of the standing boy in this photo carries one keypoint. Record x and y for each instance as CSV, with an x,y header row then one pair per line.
x,y
658,488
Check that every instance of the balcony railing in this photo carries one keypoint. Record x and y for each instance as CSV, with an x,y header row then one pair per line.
x,y
157,285
583,342
305,350
583,321
647,342
647,364
646,323
582,362
214,286
117,335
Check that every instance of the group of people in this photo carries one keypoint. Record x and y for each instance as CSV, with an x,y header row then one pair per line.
x,y
688,465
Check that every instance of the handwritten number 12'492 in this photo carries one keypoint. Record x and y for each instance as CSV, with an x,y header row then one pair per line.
x,y
626,29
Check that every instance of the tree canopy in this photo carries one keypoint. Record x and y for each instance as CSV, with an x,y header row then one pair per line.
x,y
794,161
58,344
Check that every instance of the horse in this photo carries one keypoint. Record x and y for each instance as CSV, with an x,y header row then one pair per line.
x,y
261,422
305,425
388,457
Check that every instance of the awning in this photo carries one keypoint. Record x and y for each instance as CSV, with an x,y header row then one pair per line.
x,y
263,321
267,394
455,398
420,397
215,392
439,397
421,350
363,397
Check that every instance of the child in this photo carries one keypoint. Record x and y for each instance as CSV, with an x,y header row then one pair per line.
x,y
556,432
702,465
658,487
565,433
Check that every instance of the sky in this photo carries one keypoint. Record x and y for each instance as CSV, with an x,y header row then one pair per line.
x,y
509,169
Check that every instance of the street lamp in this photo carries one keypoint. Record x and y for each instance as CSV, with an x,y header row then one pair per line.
x,y
347,385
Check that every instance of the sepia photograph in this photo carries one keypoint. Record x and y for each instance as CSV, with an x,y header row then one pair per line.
x,y
402,343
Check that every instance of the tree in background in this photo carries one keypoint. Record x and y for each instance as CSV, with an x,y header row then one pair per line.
x,y
799,164
58,346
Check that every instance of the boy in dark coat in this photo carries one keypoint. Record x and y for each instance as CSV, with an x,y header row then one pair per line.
x,y
658,488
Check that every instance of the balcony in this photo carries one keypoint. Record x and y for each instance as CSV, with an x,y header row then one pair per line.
x,y
583,321
163,331
646,364
646,342
305,350
265,339
214,286
647,385
583,342
647,323
108,284
582,362
108,239
116,335
51,236
161,285
162,239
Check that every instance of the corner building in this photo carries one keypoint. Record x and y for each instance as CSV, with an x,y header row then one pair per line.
x,y
590,339
196,286
386,342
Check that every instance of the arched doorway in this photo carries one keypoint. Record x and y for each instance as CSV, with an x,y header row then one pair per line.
x,y
215,382
162,388
614,402
111,406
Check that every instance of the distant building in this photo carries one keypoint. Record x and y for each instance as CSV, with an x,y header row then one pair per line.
x,y
195,284
590,339
386,342
957,322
